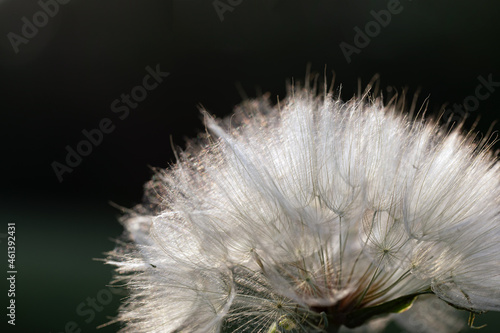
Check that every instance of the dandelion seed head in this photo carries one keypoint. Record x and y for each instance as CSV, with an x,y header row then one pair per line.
x,y
311,215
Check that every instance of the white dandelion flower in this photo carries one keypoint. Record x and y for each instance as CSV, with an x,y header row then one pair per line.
x,y
311,216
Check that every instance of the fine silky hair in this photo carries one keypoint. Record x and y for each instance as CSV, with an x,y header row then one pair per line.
x,y
313,214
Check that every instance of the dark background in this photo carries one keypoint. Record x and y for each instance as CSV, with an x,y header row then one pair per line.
x,y
66,77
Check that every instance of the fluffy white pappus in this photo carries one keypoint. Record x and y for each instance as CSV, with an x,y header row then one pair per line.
x,y
315,215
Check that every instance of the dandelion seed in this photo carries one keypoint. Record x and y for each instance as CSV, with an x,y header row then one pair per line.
x,y
315,216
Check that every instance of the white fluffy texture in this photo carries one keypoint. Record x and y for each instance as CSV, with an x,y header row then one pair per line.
x,y
314,206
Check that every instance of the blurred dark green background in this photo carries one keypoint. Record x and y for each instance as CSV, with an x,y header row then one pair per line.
x,y
64,79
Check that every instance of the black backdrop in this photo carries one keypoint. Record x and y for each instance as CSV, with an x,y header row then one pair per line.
x,y
61,78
